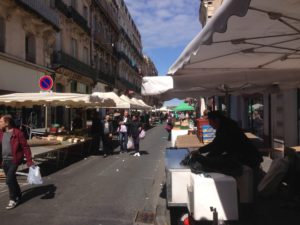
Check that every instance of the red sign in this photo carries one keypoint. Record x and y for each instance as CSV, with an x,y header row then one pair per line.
x,y
46,83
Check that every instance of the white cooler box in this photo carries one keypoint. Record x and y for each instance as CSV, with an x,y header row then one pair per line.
x,y
217,191
177,177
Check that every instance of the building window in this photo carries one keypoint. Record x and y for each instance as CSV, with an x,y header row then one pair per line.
x,y
85,12
2,35
74,49
30,48
73,85
85,55
74,4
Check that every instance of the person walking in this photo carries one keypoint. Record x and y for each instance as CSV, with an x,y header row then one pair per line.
x,y
107,130
13,148
96,132
136,128
124,129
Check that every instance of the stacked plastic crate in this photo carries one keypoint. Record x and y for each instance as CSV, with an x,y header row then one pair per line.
x,y
208,134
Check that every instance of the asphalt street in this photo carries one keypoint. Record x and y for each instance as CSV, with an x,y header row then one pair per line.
x,y
95,190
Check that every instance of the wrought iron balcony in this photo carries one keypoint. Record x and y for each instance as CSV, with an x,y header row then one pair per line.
x,y
80,20
107,9
62,7
106,78
64,60
130,85
41,9
103,41
123,56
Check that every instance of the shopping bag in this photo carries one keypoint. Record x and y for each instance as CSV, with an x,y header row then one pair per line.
x,y
34,175
130,143
142,134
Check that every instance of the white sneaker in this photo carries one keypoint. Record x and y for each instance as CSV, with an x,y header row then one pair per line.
x,y
135,154
138,154
11,204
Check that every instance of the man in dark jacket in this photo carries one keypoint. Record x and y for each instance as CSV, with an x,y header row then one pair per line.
x,y
135,131
13,148
229,146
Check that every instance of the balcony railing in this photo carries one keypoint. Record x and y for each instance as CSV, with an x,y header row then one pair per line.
x,y
62,7
62,59
41,9
122,55
108,10
104,41
130,85
80,20
107,78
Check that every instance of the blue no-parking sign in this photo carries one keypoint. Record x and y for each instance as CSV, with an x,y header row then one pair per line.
x,y
46,83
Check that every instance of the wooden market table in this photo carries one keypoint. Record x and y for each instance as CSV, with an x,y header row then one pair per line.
x,y
61,151
188,141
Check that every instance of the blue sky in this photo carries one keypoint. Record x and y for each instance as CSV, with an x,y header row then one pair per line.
x,y
166,27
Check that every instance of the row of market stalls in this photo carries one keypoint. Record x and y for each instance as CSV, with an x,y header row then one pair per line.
x,y
96,99
58,140
236,56
248,47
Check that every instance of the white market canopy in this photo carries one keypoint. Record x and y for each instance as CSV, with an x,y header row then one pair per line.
x,y
141,103
246,47
133,104
54,99
120,103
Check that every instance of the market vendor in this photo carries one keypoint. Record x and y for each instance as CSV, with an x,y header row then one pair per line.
x,y
230,145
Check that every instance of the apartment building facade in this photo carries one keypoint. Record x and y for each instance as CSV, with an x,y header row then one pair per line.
x,y
207,10
85,45
27,40
129,52
105,31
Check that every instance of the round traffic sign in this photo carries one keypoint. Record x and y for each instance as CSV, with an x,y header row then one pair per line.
x,y
46,83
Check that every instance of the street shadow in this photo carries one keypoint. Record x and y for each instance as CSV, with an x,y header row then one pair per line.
x,y
143,152
45,191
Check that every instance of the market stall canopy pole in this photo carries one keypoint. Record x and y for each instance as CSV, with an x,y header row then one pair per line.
x,y
259,52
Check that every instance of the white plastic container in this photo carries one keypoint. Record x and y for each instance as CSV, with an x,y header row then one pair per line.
x,y
217,191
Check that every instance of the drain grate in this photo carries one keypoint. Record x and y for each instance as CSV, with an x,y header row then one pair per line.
x,y
145,217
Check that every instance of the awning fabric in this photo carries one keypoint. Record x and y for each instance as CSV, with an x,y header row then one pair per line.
x,y
184,107
119,103
54,99
259,51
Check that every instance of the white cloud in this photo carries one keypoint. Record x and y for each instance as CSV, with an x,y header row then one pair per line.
x,y
165,23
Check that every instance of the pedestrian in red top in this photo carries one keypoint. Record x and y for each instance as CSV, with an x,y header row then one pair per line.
x,y
14,147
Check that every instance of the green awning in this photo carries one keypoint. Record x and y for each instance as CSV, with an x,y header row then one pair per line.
x,y
184,107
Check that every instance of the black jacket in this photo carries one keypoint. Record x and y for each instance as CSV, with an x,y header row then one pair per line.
x,y
232,141
134,128
110,127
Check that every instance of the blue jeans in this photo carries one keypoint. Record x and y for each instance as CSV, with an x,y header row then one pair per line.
x,y
123,139
10,170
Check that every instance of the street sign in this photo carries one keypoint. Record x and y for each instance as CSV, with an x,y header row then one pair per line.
x,y
46,83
